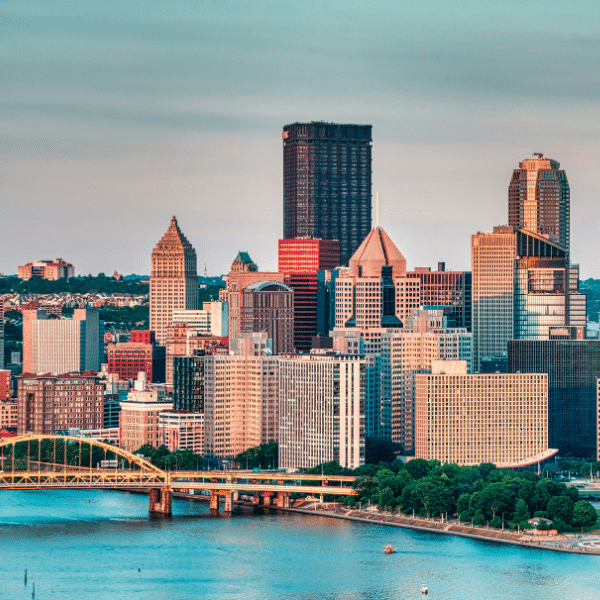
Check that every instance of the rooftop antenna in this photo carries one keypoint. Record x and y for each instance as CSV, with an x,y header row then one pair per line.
x,y
377,209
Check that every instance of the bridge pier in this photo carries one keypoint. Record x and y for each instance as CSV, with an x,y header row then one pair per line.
x,y
283,499
161,502
214,500
267,498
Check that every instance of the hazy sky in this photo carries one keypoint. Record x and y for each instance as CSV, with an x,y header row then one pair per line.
x,y
116,115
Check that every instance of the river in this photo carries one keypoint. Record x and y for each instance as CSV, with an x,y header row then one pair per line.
x,y
102,545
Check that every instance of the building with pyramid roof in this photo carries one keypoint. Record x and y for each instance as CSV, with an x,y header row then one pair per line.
x,y
173,279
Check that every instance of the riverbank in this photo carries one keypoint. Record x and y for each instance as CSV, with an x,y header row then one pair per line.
x,y
571,543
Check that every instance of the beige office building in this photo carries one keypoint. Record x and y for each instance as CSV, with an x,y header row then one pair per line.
x,y
472,419
321,410
138,420
173,280
240,398
60,346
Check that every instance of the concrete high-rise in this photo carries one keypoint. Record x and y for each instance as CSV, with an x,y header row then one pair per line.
x,y
321,410
538,199
173,280
59,346
472,419
327,183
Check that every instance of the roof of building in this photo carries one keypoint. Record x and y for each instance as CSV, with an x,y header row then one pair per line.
x,y
173,239
376,251
269,286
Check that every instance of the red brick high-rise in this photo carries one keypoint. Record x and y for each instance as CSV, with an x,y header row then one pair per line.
x,y
299,261
127,359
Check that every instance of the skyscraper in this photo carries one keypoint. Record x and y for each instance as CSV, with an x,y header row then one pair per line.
x,y
572,366
538,199
299,261
523,286
173,280
327,183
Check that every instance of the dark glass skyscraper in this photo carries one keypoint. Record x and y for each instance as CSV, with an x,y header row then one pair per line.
x,y
327,183
573,366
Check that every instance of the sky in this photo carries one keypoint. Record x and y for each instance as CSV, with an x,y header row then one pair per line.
x,y
116,115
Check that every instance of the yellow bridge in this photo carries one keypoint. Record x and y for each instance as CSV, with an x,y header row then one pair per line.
x,y
35,462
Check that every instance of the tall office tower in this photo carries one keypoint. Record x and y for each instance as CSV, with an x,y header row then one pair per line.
x,y
300,260
327,183
49,403
321,411
173,280
62,345
410,351
240,398
522,286
572,366
538,199
473,419
448,289
127,359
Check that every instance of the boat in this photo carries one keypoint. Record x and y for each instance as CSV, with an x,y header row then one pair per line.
x,y
389,549
424,589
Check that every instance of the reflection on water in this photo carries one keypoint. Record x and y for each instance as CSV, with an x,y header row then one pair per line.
x,y
104,545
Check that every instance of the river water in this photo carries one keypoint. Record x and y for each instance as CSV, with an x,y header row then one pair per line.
x,y
103,545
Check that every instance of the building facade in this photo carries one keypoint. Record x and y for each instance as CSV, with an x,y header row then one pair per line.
x,y
181,430
539,199
240,399
268,306
56,346
321,411
572,367
138,419
127,359
523,285
471,419
47,403
46,269
173,280
188,383
327,183
300,260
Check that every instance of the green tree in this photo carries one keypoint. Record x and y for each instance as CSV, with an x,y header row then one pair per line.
x,y
478,518
521,511
560,507
265,456
386,499
462,504
418,468
377,450
496,498
584,514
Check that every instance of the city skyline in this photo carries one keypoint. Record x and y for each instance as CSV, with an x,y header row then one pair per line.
x,y
114,119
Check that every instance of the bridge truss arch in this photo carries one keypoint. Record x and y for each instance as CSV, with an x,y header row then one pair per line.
x,y
53,460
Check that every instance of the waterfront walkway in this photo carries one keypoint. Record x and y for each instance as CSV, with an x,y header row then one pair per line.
x,y
587,543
